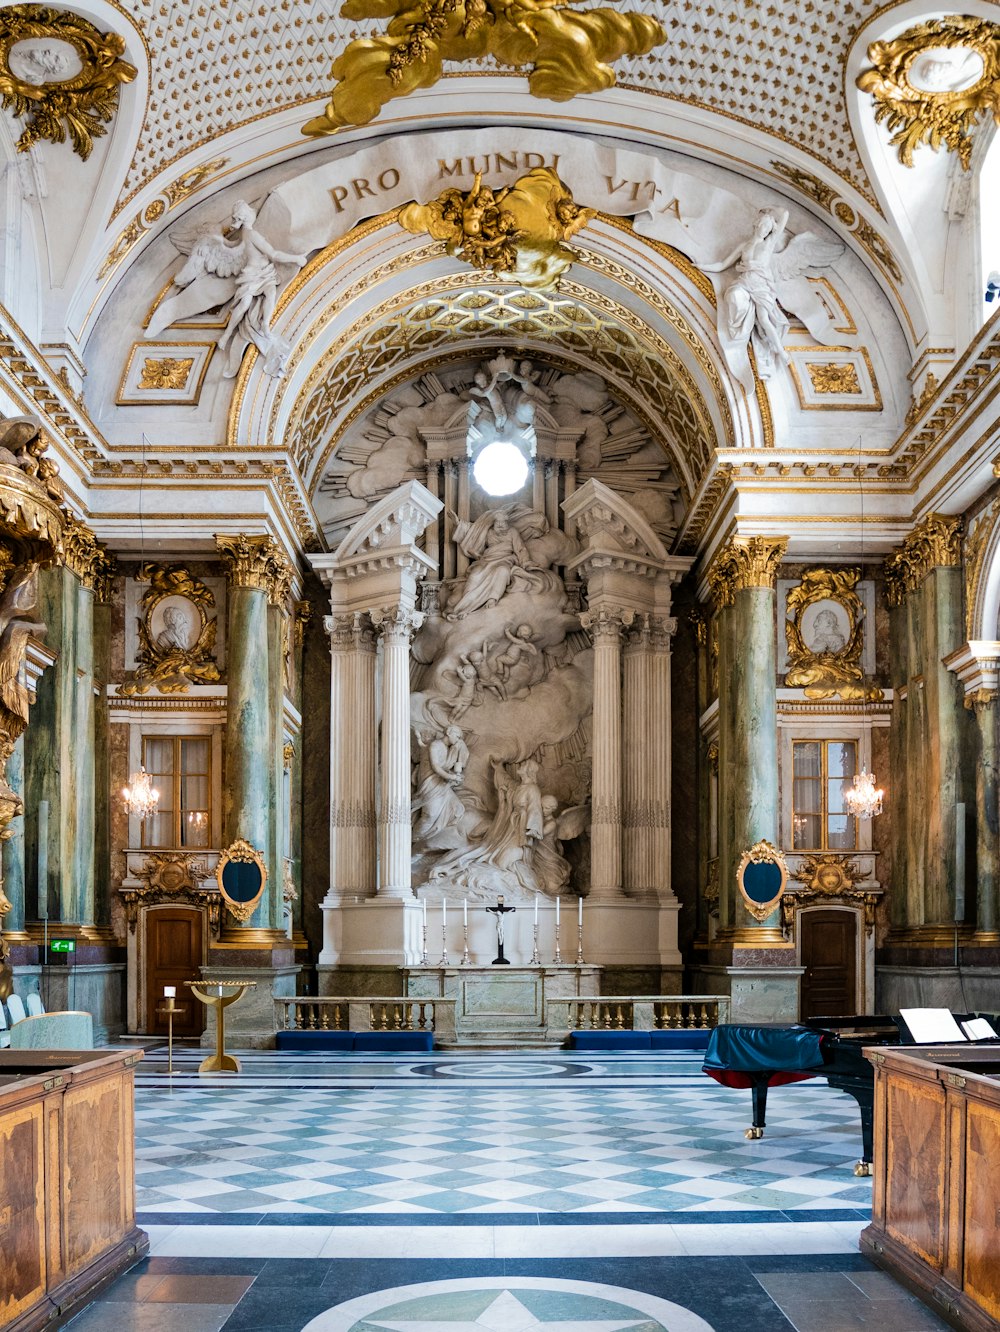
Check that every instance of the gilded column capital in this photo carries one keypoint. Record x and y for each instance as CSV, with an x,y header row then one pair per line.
x,y
713,756
743,563
935,543
85,557
977,700
256,562
606,625
396,624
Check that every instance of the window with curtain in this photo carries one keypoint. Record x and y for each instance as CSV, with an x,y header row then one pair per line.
x,y
180,767
821,771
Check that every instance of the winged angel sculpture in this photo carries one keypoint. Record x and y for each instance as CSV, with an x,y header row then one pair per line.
x,y
569,52
768,276
236,268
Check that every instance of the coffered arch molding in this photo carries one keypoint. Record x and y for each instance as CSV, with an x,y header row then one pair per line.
x,y
378,308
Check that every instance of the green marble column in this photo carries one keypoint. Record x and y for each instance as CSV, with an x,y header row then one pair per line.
x,y
744,584
915,800
249,756
13,847
102,751
898,733
983,703
276,642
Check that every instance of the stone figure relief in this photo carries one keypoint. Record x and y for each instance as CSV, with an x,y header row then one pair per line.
x,y
765,274
175,636
22,445
235,268
827,635
387,446
509,663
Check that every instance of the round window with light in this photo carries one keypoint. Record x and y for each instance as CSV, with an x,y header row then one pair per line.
x,y
500,468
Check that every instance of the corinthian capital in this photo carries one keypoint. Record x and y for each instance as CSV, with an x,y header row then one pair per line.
x,y
397,624
745,562
935,543
606,624
87,558
257,562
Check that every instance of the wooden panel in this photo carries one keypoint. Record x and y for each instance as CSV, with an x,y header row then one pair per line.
x,y
174,953
915,1178
829,946
95,1146
982,1206
22,1212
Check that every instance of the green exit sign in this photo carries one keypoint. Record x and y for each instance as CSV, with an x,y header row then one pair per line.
x,y
62,946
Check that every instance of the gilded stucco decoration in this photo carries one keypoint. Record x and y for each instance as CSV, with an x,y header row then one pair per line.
x,y
60,72
87,558
828,877
977,541
31,527
186,184
176,635
256,562
761,891
517,232
172,876
825,633
936,542
934,83
569,51
744,563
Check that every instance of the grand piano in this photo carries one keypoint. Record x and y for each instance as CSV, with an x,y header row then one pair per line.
x,y
771,1054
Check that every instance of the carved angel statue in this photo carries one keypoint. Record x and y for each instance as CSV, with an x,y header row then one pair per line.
x,y
509,391
17,609
436,800
769,272
547,863
237,268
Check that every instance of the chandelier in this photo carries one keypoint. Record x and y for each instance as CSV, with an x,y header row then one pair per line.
x,y
863,799
140,796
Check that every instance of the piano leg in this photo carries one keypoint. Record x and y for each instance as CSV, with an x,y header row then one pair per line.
x,y
758,1089
864,1094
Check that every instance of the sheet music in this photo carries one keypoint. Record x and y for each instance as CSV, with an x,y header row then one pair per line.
x,y
932,1026
978,1029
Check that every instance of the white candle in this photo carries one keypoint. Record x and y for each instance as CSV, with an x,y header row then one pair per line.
x,y
423,907
579,915
169,991
444,912
557,912
536,908
465,911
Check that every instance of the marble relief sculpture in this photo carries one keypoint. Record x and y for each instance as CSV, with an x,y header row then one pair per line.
x,y
238,270
765,274
496,797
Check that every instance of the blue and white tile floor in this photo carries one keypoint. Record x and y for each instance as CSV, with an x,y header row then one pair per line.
x,y
499,1192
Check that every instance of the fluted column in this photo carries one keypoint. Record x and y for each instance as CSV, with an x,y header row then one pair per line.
x,y
636,724
983,702
605,627
397,625
352,756
661,631
251,566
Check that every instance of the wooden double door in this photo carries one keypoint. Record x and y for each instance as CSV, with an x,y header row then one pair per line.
x,y
829,952
175,941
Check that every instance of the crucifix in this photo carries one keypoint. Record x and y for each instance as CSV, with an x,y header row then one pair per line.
x,y
500,911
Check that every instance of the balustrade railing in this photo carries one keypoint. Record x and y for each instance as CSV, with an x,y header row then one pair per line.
x,y
661,1012
349,1013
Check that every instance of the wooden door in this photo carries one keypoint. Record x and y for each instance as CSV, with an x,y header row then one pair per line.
x,y
174,944
829,941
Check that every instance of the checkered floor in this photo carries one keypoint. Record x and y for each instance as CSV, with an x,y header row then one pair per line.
x,y
499,1142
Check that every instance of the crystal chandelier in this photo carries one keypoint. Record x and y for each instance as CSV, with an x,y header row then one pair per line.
x,y
140,796
863,799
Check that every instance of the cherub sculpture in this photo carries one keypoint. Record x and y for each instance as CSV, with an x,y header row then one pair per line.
x,y
768,273
236,268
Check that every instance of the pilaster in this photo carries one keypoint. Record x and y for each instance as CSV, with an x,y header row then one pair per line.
x,y
605,626
396,626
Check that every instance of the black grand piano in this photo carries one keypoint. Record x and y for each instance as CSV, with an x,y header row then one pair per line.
x,y
770,1054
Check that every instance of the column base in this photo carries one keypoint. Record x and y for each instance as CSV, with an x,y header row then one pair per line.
x,y
764,993
236,936
981,938
375,931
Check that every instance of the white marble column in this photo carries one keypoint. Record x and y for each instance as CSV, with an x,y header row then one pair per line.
x,y
661,630
396,624
635,746
352,756
605,626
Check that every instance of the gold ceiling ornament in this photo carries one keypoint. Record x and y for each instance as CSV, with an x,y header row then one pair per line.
x,y
56,67
934,82
834,377
517,232
569,51
186,184
165,372
176,637
825,632
920,400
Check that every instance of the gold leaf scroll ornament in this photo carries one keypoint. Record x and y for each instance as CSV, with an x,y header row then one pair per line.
x,y
932,84
568,51
517,232
826,669
70,72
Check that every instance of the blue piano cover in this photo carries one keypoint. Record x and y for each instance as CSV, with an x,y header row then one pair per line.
x,y
735,1050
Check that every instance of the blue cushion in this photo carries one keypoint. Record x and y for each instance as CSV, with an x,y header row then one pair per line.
x,y
394,1040
609,1040
680,1039
314,1040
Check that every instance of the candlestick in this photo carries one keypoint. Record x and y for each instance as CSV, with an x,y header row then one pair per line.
x,y
536,910
423,932
466,959
579,934
557,959
444,933
170,1008
535,959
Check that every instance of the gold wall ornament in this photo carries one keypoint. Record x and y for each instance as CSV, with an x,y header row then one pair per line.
x,y
834,378
761,877
70,72
569,51
251,561
186,184
176,637
828,874
934,82
517,232
825,632
935,542
241,875
165,372
743,563
84,556
920,400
